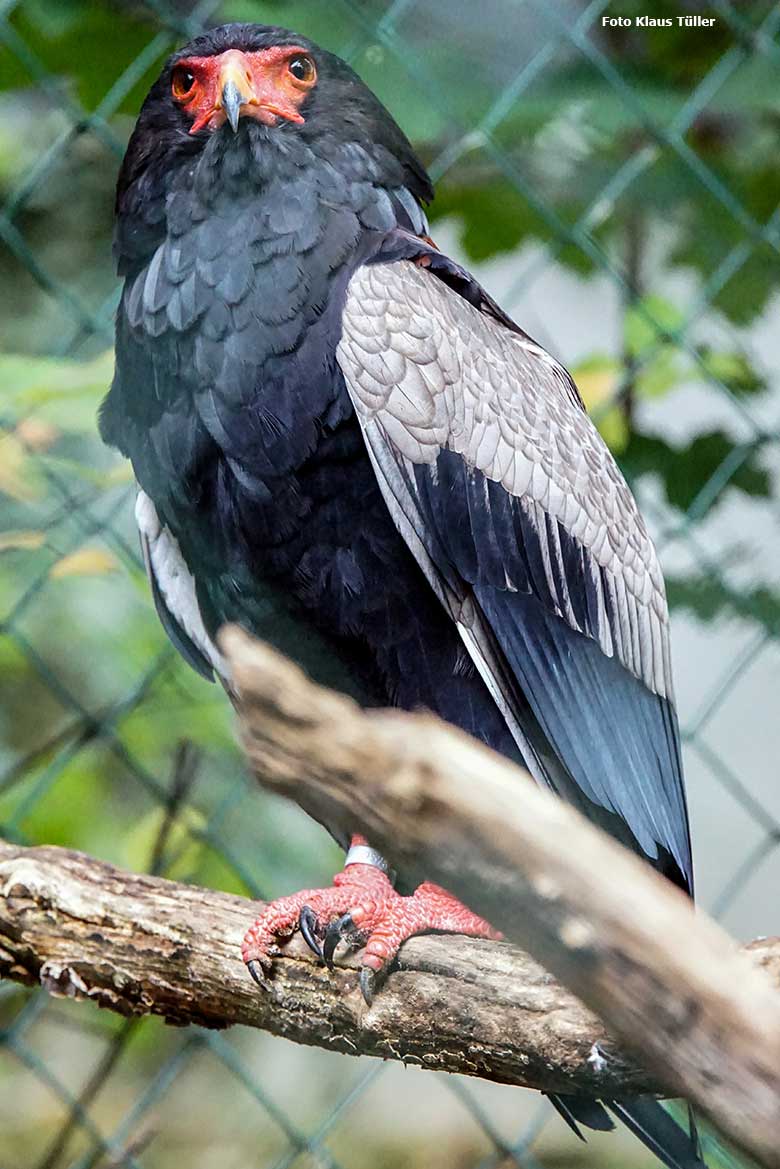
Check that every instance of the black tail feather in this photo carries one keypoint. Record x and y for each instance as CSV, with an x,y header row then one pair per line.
x,y
656,1129
646,1119
694,1131
577,1110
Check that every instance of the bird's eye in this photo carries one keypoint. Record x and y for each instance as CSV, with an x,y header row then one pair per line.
x,y
302,69
182,82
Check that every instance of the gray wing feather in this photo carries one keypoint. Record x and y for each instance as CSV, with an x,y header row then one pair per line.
x,y
457,598
428,373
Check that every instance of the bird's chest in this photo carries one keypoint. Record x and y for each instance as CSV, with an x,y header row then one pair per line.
x,y
322,535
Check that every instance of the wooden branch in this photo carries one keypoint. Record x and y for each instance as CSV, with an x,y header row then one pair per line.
x,y
140,944
668,983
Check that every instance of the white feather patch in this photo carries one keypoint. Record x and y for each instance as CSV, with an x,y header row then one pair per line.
x,y
173,578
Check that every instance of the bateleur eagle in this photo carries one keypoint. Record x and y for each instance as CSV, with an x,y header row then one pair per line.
x,y
342,443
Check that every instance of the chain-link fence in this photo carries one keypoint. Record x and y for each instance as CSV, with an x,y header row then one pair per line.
x,y
616,187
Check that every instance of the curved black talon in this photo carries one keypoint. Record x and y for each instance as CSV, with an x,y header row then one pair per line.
x,y
367,984
337,930
257,970
308,923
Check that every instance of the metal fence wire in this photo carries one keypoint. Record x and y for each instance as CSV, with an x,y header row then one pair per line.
x,y
616,188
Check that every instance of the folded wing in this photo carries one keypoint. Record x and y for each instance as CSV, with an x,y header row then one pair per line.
x,y
525,528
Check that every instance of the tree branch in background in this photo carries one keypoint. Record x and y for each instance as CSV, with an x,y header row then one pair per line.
x,y
667,982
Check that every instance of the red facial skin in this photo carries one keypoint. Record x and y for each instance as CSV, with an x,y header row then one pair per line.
x,y
271,91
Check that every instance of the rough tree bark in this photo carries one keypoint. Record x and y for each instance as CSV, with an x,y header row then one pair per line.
x,y
667,981
139,944
143,945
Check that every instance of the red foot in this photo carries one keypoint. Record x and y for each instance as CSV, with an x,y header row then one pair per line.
x,y
362,906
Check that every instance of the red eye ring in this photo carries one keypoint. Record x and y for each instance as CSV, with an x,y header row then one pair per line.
x,y
182,82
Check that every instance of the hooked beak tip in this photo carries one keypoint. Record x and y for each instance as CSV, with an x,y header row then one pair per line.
x,y
232,101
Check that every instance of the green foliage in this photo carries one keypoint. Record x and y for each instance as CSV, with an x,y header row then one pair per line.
x,y
65,393
686,470
70,42
653,365
498,204
568,135
708,599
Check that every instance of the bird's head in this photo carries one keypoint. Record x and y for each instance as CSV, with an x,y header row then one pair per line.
x,y
243,72
250,83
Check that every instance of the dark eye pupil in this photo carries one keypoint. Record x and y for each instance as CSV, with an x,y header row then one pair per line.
x,y
301,68
184,81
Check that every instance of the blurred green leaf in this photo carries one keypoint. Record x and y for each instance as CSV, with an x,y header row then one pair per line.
x,y
685,471
494,218
84,44
19,475
182,846
64,392
733,369
21,540
708,599
88,561
647,322
661,373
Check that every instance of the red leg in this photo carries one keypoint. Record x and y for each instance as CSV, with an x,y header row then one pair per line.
x,y
361,905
